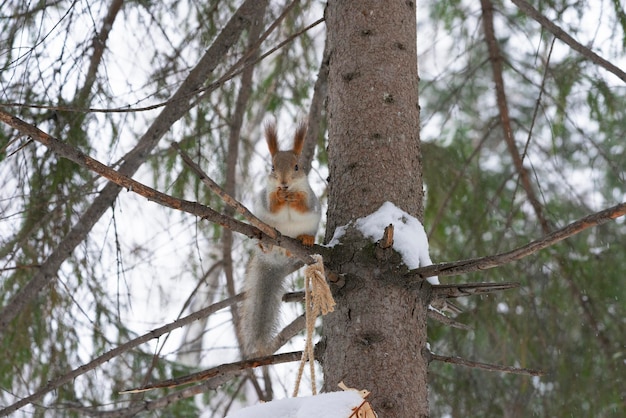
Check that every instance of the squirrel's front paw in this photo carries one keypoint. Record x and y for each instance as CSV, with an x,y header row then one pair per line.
x,y
307,240
283,194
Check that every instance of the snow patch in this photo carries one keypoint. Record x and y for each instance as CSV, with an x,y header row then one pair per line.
x,y
328,405
409,236
340,231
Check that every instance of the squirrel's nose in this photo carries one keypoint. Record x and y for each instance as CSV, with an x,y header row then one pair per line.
x,y
284,186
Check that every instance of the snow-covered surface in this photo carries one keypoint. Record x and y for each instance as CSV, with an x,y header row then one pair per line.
x,y
409,236
327,405
340,231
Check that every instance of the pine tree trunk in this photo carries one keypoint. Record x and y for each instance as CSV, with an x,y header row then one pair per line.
x,y
376,337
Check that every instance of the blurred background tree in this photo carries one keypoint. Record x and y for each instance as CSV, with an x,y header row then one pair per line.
x,y
98,77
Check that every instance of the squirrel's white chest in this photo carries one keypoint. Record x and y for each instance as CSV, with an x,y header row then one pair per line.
x,y
287,220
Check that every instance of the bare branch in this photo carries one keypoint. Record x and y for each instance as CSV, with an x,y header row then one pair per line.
x,y
483,263
565,37
205,212
221,370
316,118
486,366
496,64
448,291
288,332
439,317
99,44
226,198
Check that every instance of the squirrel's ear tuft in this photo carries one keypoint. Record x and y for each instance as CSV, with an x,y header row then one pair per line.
x,y
298,139
271,137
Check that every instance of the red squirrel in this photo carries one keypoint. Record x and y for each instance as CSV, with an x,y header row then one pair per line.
x,y
287,203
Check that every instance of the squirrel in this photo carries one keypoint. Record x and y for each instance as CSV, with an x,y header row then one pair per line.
x,y
287,203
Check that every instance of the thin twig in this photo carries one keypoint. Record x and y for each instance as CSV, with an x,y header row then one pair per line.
x,y
565,37
232,73
486,366
226,198
439,317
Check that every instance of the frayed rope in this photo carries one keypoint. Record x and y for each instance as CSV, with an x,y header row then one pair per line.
x,y
318,299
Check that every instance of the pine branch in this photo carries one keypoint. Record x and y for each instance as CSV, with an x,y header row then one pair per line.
x,y
235,70
144,406
496,60
566,38
172,112
484,263
439,317
156,333
67,151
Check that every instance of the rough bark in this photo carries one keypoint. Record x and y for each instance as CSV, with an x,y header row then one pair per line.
x,y
373,109
376,337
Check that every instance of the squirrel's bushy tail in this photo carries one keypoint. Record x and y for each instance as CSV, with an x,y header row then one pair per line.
x,y
264,287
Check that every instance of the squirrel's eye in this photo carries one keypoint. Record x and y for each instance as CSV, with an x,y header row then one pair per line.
x,y
296,167
272,167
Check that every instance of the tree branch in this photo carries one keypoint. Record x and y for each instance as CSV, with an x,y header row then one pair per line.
x,y
67,151
496,60
156,333
99,44
172,112
486,366
566,38
435,315
221,370
316,119
483,263
226,198
449,291
496,64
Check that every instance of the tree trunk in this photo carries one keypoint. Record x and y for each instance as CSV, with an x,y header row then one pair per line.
x,y
376,337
